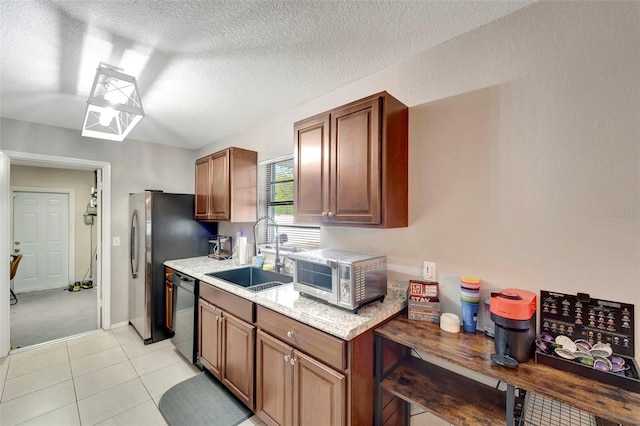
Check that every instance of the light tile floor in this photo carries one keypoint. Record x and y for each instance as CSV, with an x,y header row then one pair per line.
x,y
106,378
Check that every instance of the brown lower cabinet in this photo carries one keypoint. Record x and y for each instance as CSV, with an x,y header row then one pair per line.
x,y
226,349
287,372
209,353
168,298
295,389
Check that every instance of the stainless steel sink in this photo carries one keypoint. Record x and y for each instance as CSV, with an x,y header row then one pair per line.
x,y
253,279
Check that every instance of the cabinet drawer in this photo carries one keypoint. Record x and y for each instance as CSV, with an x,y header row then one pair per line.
x,y
318,344
235,305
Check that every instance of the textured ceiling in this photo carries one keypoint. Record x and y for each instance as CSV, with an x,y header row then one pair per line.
x,y
207,69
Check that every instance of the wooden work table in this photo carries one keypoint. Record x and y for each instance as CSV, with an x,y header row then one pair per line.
x,y
443,392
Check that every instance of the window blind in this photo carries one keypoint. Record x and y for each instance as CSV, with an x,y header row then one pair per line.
x,y
276,201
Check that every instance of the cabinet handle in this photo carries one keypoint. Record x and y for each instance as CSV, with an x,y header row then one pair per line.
x,y
286,358
324,214
292,360
330,214
290,334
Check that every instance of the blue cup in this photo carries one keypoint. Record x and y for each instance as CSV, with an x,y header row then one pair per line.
x,y
469,316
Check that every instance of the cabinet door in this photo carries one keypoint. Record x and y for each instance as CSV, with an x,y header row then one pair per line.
x,y
311,170
168,296
202,188
238,357
220,186
319,393
209,337
274,381
355,163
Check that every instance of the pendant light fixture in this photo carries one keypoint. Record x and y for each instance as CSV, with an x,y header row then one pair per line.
x,y
113,107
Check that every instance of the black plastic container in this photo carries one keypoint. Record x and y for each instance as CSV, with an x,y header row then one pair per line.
x,y
629,379
514,337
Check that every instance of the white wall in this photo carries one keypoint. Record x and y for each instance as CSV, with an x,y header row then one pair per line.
x,y
524,154
135,166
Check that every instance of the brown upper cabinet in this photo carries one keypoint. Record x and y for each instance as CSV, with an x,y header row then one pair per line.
x,y
226,186
351,165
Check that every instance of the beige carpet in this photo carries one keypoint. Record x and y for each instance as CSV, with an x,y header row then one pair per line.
x,y
47,315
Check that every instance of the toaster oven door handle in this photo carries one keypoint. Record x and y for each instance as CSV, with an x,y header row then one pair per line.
x,y
332,264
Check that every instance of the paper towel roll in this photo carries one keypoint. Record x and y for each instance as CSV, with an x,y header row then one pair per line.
x,y
242,250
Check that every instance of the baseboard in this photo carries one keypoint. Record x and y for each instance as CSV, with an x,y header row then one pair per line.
x,y
120,324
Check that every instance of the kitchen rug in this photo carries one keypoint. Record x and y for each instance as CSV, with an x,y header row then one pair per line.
x,y
202,400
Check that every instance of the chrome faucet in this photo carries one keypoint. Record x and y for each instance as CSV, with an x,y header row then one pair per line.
x,y
278,265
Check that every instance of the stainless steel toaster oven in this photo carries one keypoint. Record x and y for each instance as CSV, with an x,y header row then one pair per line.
x,y
343,278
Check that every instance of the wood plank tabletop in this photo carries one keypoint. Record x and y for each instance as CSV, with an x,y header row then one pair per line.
x,y
472,351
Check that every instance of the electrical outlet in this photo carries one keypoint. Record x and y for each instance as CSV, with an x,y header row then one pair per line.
x,y
429,271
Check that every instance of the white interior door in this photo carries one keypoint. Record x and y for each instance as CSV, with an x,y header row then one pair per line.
x,y
41,235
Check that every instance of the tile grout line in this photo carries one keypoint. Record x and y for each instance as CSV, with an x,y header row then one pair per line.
x,y
34,371
4,379
117,414
73,382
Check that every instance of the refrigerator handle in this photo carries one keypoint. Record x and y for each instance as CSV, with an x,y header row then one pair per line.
x,y
133,244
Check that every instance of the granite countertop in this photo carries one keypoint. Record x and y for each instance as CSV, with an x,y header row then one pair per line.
x,y
284,299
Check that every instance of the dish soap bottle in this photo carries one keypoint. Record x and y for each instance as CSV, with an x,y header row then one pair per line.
x,y
259,259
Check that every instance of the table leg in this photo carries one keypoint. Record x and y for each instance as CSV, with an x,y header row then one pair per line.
x,y
378,363
511,404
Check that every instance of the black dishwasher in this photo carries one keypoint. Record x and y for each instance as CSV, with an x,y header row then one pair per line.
x,y
185,294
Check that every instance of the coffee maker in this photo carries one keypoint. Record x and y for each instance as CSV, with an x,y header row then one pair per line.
x,y
514,313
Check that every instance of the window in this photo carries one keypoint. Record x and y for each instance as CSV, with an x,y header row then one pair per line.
x,y
276,201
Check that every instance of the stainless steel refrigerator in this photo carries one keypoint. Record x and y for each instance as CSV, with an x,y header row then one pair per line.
x,y
161,228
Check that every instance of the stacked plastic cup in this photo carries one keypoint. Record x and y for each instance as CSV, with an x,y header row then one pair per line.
x,y
470,300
